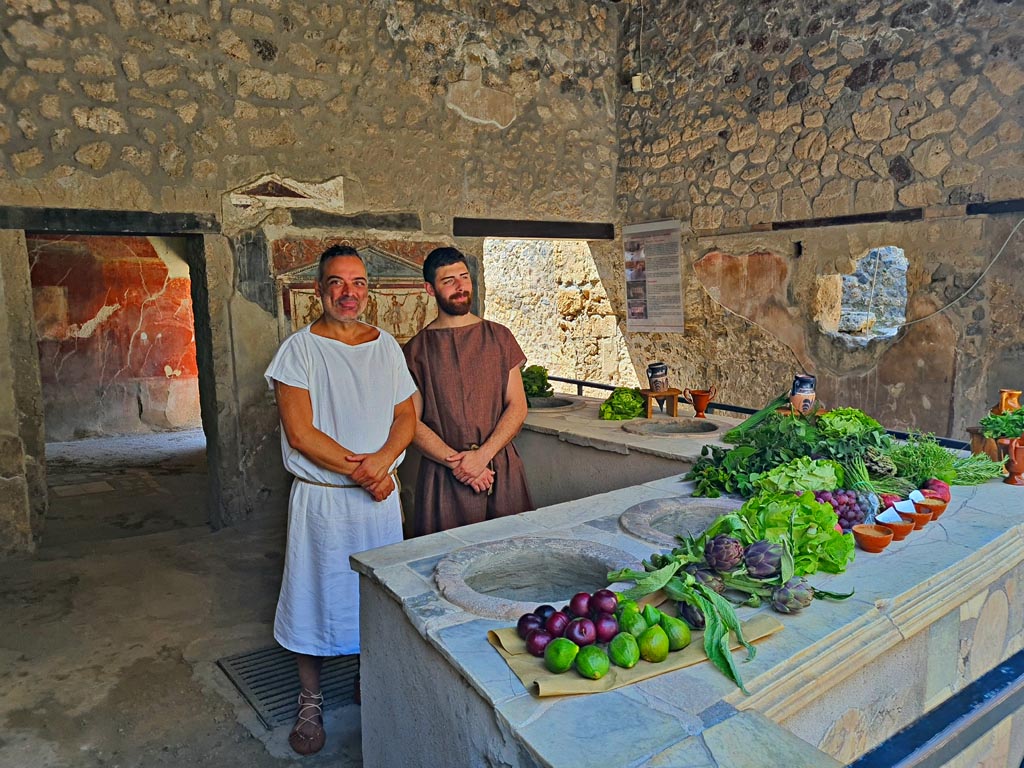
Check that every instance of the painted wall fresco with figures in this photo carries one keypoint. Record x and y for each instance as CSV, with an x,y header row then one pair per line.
x,y
397,303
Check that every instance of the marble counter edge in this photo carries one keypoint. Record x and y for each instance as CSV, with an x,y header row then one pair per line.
x,y
782,692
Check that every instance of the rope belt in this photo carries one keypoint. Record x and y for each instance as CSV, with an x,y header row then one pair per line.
x,y
393,473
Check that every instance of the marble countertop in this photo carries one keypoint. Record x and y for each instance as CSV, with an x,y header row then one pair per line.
x,y
898,592
581,425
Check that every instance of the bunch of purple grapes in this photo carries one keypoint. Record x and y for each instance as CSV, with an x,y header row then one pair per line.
x,y
849,506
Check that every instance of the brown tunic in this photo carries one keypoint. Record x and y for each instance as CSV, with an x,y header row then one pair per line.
x,y
462,374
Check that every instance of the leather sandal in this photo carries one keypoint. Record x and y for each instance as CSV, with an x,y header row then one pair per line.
x,y
310,713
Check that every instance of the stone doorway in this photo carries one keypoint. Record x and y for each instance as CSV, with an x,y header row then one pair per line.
x,y
115,329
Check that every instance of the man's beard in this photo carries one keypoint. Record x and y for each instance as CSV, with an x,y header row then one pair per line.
x,y
456,305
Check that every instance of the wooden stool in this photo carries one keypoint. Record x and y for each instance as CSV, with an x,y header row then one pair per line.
x,y
671,395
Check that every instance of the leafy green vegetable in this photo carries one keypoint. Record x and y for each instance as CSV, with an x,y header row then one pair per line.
x,y
535,381
623,403
806,526
921,457
778,439
720,618
737,433
802,474
841,423
1009,424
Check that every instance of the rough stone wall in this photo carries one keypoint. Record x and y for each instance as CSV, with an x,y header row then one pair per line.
x,y
788,112
549,293
427,106
402,111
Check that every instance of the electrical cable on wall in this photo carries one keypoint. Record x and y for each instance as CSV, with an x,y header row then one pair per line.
x,y
959,298
640,81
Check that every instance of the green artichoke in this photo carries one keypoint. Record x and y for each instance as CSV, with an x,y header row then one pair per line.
x,y
763,559
723,553
708,578
793,596
691,615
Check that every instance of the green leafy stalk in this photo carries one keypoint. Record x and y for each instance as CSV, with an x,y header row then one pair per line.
x,y
646,583
716,636
821,594
752,421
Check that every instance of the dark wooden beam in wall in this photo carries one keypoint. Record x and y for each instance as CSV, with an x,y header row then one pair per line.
x,y
1000,206
908,214
529,229
307,217
81,221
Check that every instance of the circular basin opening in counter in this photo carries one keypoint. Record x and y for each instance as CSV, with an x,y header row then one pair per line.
x,y
661,520
505,579
555,403
669,427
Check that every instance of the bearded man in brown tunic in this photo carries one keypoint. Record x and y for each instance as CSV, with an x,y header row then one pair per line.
x,y
470,406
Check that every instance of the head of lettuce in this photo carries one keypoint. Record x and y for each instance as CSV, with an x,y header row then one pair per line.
x,y
623,403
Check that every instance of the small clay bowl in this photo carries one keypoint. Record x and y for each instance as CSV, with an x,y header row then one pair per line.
x,y
872,538
935,506
900,530
920,518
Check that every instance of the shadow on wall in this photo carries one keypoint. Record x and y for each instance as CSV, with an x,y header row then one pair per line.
x,y
116,337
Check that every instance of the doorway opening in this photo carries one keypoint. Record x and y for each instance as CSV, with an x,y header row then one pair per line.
x,y
126,451
550,295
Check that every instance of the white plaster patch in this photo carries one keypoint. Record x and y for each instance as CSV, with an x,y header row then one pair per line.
x,y
170,250
88,328
171,372
474,101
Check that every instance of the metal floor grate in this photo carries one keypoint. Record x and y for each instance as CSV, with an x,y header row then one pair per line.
x,y
269,681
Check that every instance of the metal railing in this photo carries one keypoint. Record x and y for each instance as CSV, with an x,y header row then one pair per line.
x,y
945,442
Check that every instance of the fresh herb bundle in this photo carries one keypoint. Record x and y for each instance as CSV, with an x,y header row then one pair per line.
x,y
976,469
921,457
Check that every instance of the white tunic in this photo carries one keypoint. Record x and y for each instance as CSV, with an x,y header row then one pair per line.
x,y
354,391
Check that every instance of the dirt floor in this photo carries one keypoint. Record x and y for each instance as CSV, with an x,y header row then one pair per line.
x,y
110,634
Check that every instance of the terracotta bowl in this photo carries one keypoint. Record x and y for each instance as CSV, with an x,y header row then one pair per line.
x,y
900,530
872,538
920,519
935,506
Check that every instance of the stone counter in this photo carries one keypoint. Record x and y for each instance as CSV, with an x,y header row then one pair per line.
x,y
930,614
571,453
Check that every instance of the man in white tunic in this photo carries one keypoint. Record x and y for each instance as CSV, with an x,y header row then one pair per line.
x,y
347,415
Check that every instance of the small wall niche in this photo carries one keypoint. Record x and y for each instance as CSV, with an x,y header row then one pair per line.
x,y
872,301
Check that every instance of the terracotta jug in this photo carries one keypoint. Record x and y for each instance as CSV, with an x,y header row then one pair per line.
x,y
1014,450
699,398
1009,400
